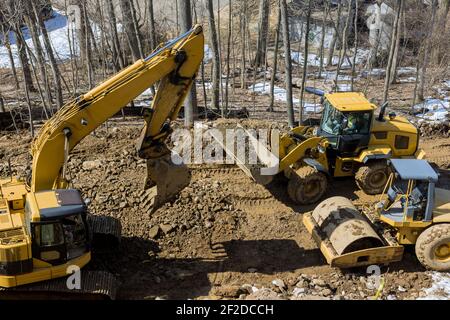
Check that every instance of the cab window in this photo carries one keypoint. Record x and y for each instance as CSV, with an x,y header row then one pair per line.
x,y
50,234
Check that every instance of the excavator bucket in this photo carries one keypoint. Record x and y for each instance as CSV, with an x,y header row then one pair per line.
x,y
164,180
346,237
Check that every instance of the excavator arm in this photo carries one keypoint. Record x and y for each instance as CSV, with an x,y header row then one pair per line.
x,y
174,65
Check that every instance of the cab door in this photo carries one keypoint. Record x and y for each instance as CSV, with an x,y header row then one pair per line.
x,y
49,242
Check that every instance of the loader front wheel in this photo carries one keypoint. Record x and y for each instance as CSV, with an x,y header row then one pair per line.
x,y
307,185
433,247
372,178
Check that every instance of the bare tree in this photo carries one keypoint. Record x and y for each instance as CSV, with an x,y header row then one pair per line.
x,y
393,48
335,35
190,104
275,62
426,52
287,62
130,30
263,27
229,36
305,63
51,56
215,51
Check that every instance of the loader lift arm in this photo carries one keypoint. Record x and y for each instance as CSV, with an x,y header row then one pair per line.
x,y
175,65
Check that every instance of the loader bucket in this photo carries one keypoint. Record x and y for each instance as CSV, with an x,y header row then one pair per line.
x,y
164,180
346,237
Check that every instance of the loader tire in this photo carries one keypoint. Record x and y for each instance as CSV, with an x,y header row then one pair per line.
x,y
433,247
373,178
307,185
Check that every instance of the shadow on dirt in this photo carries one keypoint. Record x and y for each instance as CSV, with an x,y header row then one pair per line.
x,y
145,275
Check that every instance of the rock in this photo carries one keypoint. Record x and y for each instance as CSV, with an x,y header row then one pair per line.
x,y
227,291
166,228
123,204
326,292
319,282
279,283
153,232
298,291
310,297
252,270
263,294
89,165
248,288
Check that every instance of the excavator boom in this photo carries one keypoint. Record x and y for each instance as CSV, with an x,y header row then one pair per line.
x,y
174,65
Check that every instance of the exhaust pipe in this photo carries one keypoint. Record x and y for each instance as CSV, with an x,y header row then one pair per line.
x,y
382,111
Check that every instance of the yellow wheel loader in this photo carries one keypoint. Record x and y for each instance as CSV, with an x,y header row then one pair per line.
x,y
351,140
411,211
45,229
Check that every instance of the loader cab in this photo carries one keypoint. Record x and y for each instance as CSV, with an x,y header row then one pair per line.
x,y
346,123
409,192
58,225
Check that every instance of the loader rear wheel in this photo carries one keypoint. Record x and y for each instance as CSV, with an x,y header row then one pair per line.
x,y
372,178
433,247
307,185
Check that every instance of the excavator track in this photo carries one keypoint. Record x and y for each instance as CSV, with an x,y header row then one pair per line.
x,y
106,232
94,285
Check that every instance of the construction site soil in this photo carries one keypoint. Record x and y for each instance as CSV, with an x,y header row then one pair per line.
x,y
222,237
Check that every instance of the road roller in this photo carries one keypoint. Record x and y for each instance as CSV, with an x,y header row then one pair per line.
x,y
411,211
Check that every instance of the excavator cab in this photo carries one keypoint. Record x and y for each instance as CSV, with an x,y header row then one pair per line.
x,y
57,221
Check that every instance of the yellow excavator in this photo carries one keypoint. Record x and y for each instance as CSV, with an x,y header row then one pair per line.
x,y
45,229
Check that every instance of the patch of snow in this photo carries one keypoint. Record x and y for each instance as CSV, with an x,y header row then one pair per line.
x,y
59,30
447,83
433,110
207,55
314,59
440,289
280,95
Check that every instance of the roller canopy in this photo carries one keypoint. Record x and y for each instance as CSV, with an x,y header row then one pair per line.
x,y
414,169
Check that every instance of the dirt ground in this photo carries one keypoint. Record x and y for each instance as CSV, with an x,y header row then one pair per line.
x,y
224,236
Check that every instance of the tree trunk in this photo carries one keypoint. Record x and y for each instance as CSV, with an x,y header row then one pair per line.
x,y
275,62
117,56
335,35
322,37
151,25
392,49
24,62
51,57
343,49
190,104
10,55
426,52
305,63
263,27
39,54
287,62
230,17
136,29
355,53
243,46
215,51
129,29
